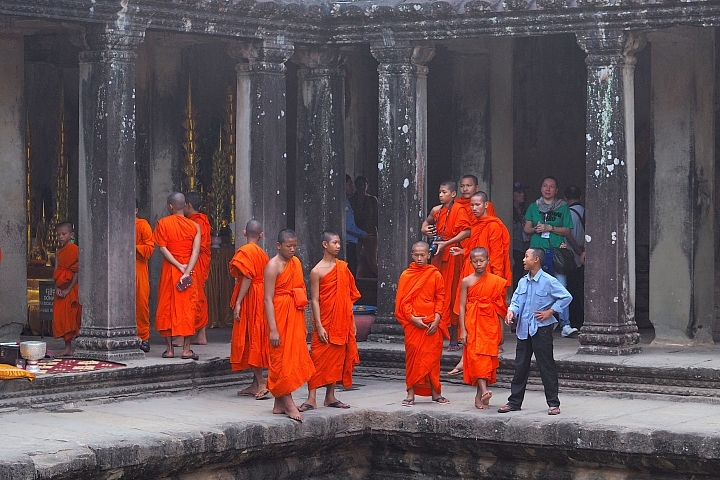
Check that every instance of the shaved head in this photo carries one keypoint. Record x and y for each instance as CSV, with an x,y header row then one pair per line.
x,y
177,200
67,225
479,251
470,177
450,184
421,244
483,196
194,199
253,229
286,234
328,235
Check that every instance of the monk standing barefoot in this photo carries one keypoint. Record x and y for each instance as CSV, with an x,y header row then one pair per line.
x,y
202,267
419,302
179,241
66,305
249,345
451,224
285,302
334,349
482,301
489,232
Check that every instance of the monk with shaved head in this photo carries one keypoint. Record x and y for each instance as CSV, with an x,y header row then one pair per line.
x,y
334,348
193,203
249,347
419,305
285,302
179,239
67,311
448,225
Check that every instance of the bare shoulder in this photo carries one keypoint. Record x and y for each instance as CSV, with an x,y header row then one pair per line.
x,y
435,209
273,267
321,269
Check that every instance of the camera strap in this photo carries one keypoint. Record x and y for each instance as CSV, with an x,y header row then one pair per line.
x,y
447,216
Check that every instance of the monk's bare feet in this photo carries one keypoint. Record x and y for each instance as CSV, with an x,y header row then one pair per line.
x,y
65,353
286,405
483,401
250,391
486,397
200,338
278,406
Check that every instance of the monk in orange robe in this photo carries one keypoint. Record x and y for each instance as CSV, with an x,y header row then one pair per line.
x,y
489,232
482,300
144,248
419,303
249,347
453,226
285,302
334,348
67,311
179,241
202,267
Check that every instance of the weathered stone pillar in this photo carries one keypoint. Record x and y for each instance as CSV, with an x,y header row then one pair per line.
x,y
107,195
610,327
682,239
320,171
13,269
402,168
261,177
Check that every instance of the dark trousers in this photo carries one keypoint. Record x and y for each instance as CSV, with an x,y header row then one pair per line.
x,y
351,257
541,344
576,287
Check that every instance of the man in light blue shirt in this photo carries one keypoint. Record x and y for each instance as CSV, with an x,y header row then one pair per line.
x,y
538,296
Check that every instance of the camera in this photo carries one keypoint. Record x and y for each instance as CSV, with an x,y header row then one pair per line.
x,y
434,246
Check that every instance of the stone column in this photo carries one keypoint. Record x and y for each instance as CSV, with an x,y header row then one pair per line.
x,y
402,167
320,170
107,195
682,238
261,177
610,327
13,268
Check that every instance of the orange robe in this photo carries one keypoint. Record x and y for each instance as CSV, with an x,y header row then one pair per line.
x,y
485,301
67,312
421,293
290,363
202,269
144,248
450,266
250,336
175,314
334,361
490,233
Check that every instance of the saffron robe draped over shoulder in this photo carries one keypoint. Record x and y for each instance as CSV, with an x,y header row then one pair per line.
x,y
202,269
334,361
448,225
421,293
490,233
144,248
290,363
67,312
249,346
176,310
485,301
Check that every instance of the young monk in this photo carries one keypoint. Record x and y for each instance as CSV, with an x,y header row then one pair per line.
x,y
202,268
144,248
67,310
249,345
179,241
489,232
453,226
468,187
482,300
285,302
334,349
419,304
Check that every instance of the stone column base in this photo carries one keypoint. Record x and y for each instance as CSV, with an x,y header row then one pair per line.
x,y
111,345
386,330
609,340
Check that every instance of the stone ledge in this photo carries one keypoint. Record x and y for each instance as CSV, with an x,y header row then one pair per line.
x,y
375,443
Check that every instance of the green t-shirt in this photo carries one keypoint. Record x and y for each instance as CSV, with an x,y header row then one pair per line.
x,y
558,218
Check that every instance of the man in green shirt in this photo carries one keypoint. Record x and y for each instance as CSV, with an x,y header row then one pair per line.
x,y
548,220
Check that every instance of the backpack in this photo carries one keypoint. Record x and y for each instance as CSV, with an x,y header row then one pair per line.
x,y
582,218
